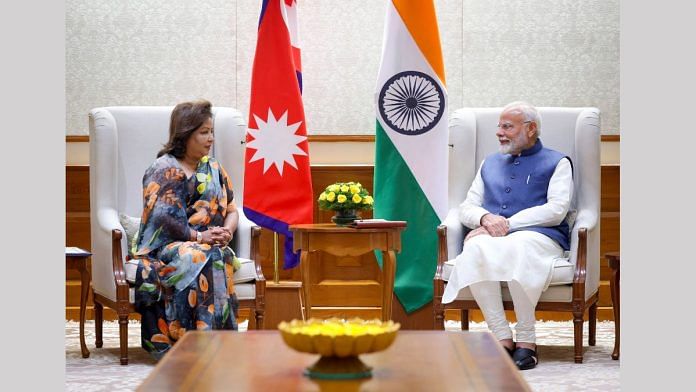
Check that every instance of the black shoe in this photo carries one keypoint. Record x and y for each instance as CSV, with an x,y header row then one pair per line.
x,y
525,358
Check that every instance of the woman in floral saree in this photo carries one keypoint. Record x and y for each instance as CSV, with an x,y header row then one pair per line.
x,y
184,276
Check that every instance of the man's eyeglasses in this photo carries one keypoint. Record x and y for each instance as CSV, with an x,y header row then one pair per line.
x,y
509,126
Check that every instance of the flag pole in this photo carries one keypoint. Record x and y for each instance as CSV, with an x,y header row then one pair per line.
x,y
276,278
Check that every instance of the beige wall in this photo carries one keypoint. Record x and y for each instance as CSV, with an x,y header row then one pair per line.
x,y
157,52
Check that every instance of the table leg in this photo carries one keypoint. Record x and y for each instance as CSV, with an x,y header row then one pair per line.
x,y
304,271
84,290
388,270
615,299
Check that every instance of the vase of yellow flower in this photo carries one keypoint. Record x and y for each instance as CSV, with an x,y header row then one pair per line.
x,y
345,198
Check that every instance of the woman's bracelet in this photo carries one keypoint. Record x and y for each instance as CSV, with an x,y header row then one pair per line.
x,y
199,237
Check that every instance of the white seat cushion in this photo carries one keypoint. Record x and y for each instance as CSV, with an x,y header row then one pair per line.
x,y
561,278
247,273
244,291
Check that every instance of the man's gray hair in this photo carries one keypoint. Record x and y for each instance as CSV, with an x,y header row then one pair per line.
x,y
530,113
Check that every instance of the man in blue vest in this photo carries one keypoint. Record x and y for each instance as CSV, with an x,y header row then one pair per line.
x,y
517,208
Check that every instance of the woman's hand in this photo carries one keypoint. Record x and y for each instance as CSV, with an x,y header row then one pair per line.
x,y
221,235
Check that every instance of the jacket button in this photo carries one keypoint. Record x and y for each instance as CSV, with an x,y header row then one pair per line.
x,y
512,177
516,163
504,206
507,190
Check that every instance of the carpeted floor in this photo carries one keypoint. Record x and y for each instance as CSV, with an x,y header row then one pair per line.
x,y
555,372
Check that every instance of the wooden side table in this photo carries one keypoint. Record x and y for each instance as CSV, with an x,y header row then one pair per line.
x,y
347,241
76,258
614,260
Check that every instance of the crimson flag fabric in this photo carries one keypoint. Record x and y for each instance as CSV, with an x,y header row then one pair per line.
x,y
277,178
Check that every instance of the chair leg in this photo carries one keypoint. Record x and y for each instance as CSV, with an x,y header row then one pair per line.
x,y
123,337
465,319
438,314
577,334
592,315
98,323
259,318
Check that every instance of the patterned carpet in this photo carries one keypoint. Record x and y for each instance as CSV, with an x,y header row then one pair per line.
x,y
555,372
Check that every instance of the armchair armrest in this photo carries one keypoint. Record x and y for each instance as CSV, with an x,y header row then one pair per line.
x,y
243,236
122,287
441,251
455,233
256,253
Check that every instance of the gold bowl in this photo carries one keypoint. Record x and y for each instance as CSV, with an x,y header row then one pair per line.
x,y
339,342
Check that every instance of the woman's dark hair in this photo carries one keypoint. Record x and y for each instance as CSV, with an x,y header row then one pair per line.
x,y
186,118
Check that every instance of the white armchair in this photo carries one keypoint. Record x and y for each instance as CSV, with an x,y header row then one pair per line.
x,y
575,280
124,141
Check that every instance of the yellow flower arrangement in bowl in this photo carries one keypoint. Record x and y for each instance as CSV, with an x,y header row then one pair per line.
x,y
345,198
339,342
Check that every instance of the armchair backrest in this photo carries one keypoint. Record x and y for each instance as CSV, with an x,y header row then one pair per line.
x,y
124,141
572,131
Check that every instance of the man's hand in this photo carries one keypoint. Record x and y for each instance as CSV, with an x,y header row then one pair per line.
x,y
475,232
496,225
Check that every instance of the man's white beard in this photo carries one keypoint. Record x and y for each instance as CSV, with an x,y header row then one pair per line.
x,y
506,148
513,145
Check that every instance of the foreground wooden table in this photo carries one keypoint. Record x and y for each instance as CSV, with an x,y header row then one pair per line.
x,y
76,258
346,241
260,361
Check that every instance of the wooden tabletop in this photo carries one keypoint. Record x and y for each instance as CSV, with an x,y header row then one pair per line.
x,y
333,228
260,360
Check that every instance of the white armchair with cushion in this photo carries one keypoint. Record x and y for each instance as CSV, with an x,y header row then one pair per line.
x,y
124,141
574,284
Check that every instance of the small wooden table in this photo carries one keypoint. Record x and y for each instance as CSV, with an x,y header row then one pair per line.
x,y
347,241
260,361
76,258
614,260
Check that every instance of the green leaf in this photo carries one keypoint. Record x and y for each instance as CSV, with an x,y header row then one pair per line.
x,y
155,235
149,287
174,279
150,345
225,312
218,264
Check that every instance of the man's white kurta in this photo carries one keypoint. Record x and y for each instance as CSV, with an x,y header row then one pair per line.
x,y
524,256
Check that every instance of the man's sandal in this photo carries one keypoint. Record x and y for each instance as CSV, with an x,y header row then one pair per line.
x,y
525,358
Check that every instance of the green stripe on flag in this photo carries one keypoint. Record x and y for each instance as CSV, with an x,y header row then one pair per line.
x,y
398,196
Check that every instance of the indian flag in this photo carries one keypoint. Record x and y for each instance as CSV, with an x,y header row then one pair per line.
x,y
411,143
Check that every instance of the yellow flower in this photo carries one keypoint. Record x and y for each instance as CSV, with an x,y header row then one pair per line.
x,y
354,189
333,188
357,198
342,198
322,196
204,159
368,200
344,188
201,187
331,196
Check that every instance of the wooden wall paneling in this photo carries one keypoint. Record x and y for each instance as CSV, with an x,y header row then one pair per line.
x,y
77,227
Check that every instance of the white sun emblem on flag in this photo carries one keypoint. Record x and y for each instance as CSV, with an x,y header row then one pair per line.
x,y
275,141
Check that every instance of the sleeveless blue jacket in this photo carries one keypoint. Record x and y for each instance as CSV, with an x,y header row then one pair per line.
x,y
514,183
